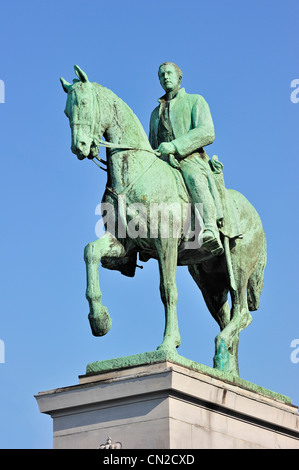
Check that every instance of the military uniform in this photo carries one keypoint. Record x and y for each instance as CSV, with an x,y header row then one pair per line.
x,y
185,121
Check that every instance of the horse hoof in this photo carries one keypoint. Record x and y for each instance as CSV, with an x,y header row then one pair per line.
x,y
168,349
225,361
170,345
101,323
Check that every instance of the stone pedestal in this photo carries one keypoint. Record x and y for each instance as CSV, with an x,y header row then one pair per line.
x,y
167,405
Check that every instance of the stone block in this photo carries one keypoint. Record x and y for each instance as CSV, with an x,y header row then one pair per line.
x,y
167,405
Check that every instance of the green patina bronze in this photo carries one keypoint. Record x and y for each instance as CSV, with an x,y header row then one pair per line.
x,y
225,255
160,356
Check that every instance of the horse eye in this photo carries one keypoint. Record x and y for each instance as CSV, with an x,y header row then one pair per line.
x,y
84,102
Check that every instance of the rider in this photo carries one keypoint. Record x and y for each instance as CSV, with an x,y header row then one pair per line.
x,y
182,125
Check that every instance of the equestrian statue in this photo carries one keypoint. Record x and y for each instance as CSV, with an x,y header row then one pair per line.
x,y
166,199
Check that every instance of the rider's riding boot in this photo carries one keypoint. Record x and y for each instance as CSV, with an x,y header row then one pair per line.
x,y
211,242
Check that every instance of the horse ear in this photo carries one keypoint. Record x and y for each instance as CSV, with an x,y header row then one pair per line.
x,y
65,85
80,74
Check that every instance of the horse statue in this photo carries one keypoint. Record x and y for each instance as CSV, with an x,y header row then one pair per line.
x,y
137,180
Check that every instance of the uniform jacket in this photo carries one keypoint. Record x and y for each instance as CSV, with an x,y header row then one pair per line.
x,y
191,123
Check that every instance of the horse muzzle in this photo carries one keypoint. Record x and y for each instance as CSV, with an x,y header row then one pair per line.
x,y
82,150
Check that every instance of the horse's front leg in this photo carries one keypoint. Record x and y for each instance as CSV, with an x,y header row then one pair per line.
x,y
109,246
167,258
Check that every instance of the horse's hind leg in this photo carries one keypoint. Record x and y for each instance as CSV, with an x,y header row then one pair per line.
x,y
109,246
227,342
167,258
214,290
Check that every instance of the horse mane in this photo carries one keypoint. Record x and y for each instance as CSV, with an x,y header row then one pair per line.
x,y
113,103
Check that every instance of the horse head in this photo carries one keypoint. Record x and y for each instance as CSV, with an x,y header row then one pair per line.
x,y
82,110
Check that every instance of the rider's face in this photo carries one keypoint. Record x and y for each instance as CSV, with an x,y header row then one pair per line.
x,y
169,78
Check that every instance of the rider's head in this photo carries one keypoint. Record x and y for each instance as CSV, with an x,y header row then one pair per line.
x,y
170,76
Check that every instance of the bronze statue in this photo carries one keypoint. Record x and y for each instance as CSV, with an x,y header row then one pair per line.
x,y
141,178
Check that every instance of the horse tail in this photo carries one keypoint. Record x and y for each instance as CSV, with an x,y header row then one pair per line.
x,y
256,280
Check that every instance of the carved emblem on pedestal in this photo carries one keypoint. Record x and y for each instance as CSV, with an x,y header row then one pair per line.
x,y
109,445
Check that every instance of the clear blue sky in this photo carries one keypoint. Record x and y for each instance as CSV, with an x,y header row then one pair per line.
x,y
242,57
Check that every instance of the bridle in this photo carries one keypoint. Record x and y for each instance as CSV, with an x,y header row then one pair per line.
x,y
110,145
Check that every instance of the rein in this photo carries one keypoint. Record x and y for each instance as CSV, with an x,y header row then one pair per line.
x,y
172,160
111,145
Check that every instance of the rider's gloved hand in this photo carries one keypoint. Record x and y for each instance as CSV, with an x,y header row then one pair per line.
x,y
166,148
